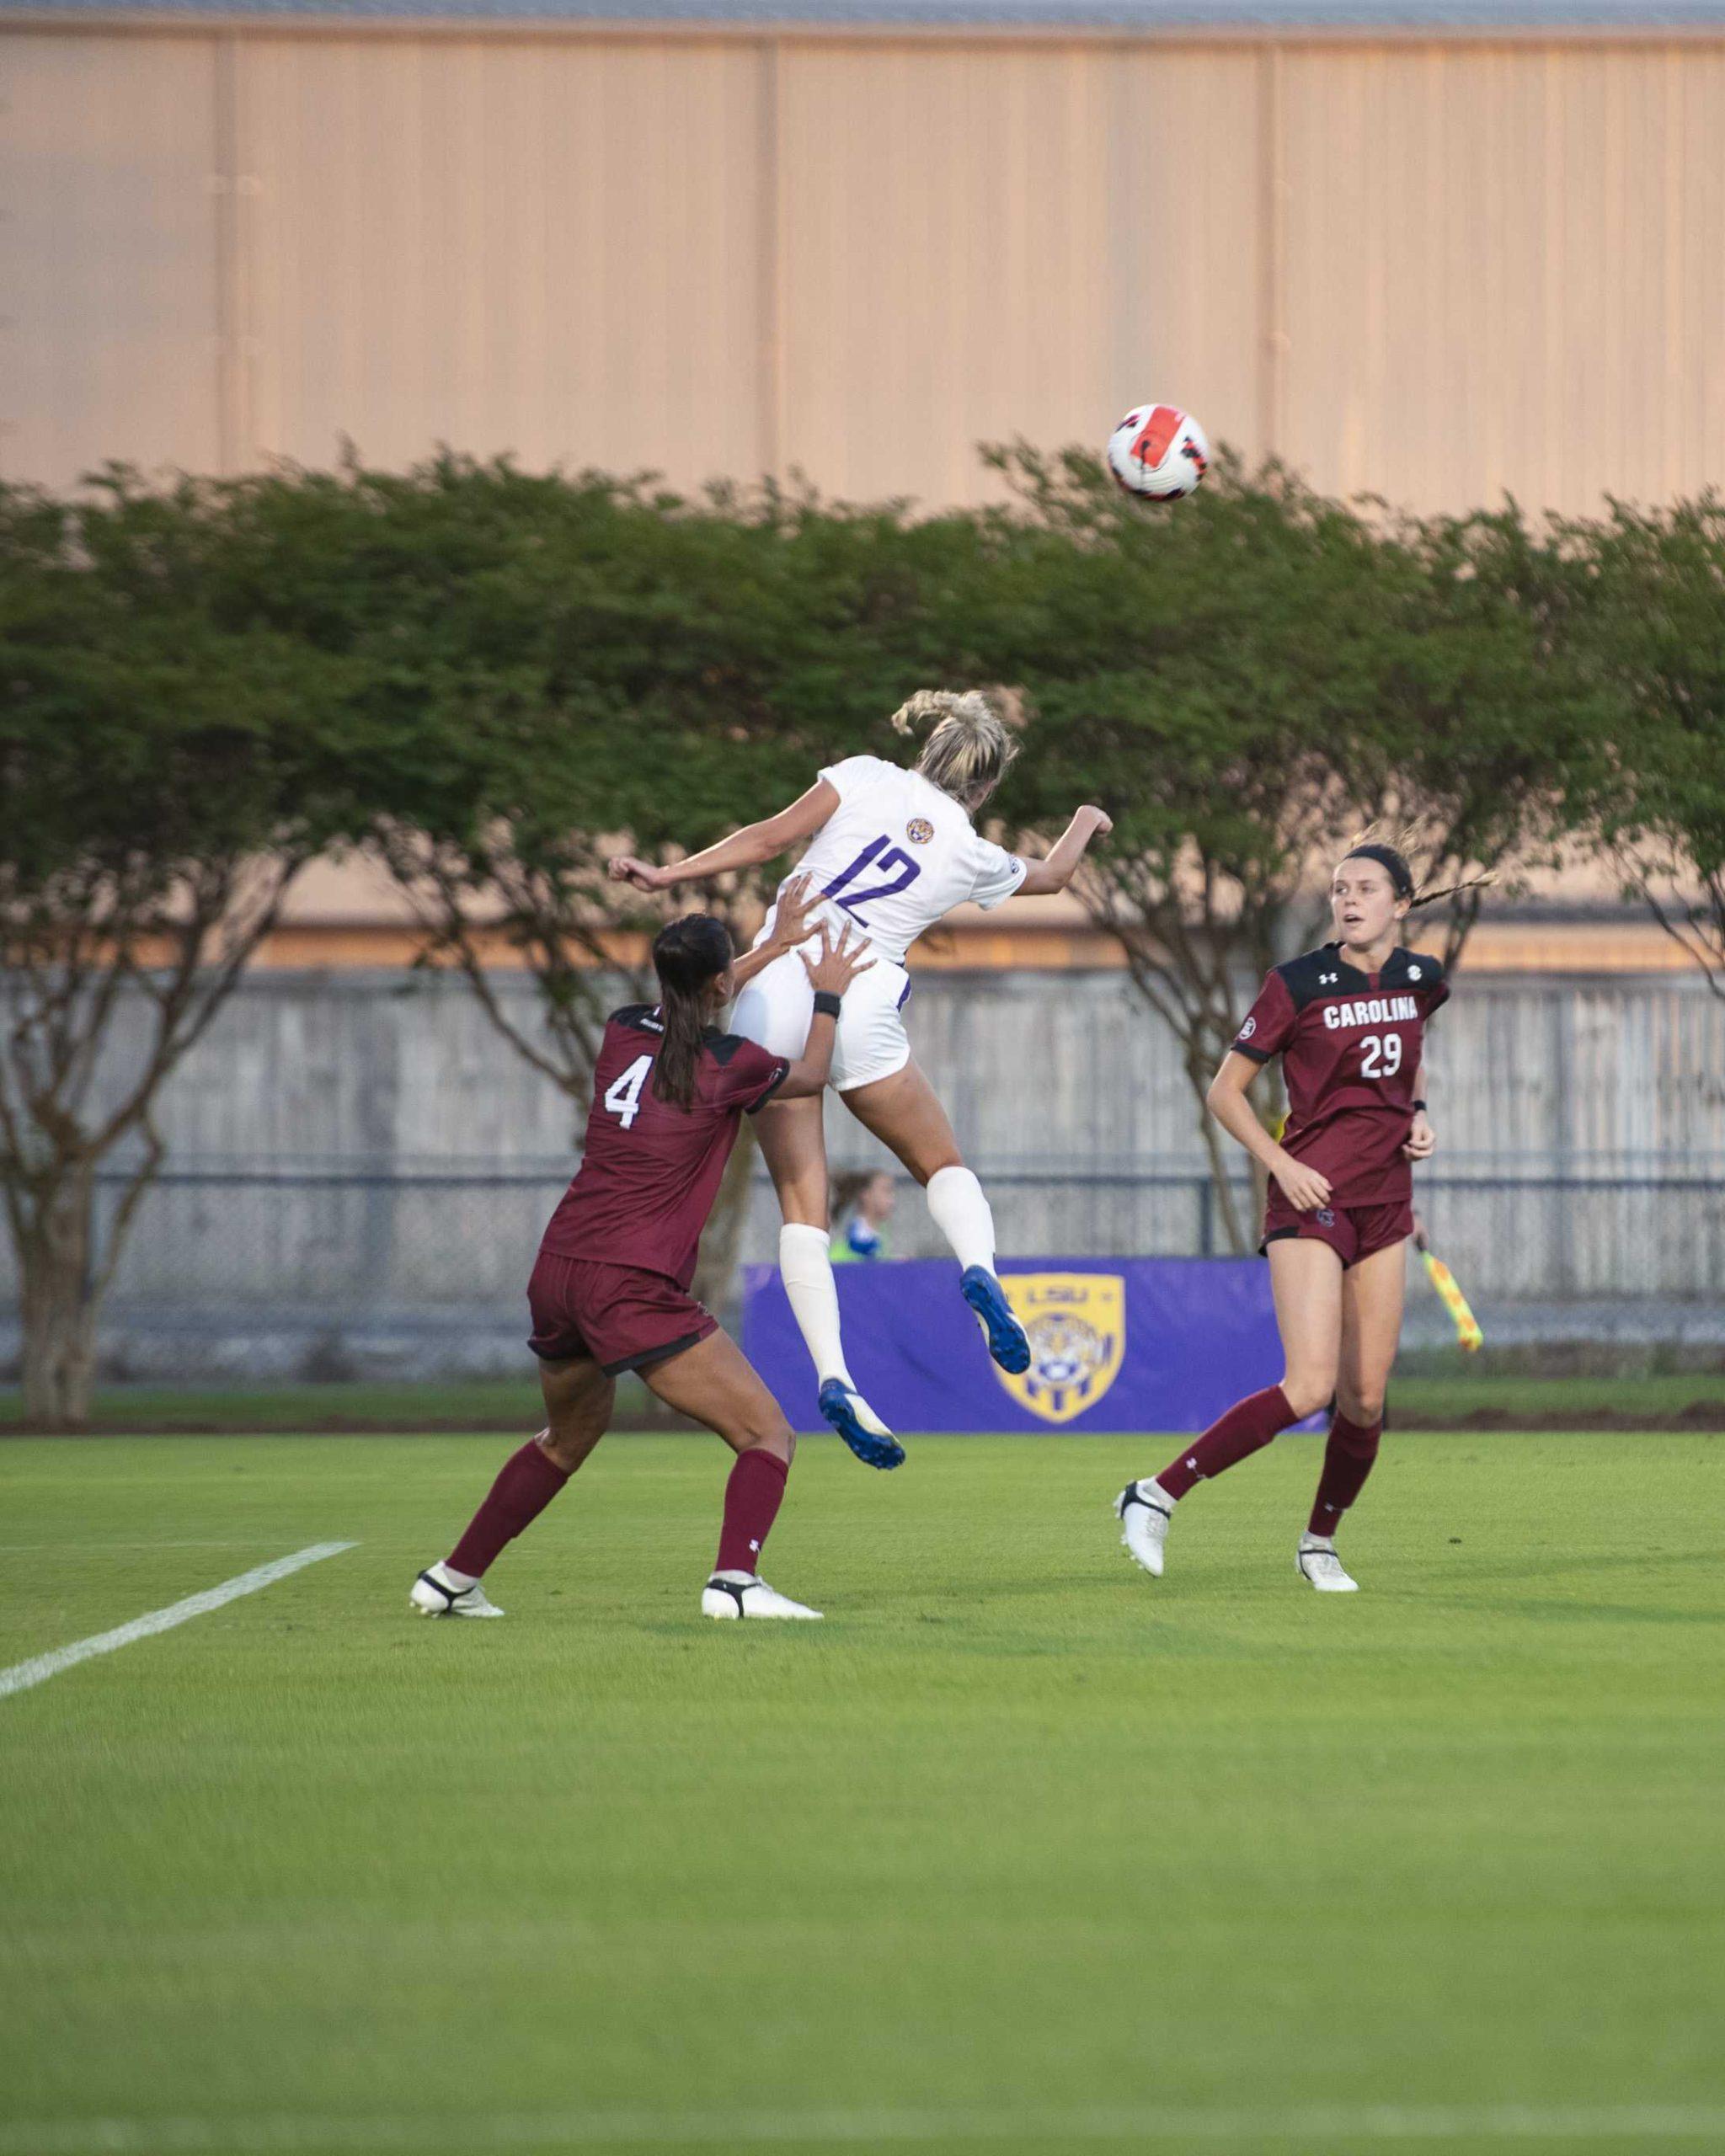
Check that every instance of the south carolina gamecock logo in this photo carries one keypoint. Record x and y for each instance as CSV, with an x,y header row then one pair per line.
x,y
918,830
1077,1322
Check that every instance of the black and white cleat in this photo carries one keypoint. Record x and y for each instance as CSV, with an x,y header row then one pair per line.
x,y
747,1594
1322,1568
1144,1512
431,1595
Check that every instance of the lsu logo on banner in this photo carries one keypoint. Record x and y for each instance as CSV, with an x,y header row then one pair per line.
x,y
1077,1322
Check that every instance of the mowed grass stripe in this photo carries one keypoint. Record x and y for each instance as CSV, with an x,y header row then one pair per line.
x,y
1476,2125
21,1675
1020,1849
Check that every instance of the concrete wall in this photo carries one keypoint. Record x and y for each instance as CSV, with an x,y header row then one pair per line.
x,y
349,1158
1437,269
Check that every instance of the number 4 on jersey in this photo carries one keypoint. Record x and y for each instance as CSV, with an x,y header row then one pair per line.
x,y
622,1098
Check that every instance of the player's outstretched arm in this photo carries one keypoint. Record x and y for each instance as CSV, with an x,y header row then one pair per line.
x,y
1058,867
829,975
1304,1188
745,849
791,926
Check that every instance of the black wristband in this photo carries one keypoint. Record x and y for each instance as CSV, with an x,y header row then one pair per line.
x,y
1419,1107
826,1004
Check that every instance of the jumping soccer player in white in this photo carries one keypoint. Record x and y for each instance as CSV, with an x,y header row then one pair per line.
x,y
893,852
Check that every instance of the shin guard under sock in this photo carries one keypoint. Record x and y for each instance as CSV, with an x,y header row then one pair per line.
x,y
530,1479
1348,1459
805,1267
1248,1424
752,1495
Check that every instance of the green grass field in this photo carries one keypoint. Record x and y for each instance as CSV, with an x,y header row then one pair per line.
x,y
1019,1849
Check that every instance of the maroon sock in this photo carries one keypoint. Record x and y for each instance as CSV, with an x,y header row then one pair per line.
x,y
1248,1424
1348,1460
528,1481
752,1502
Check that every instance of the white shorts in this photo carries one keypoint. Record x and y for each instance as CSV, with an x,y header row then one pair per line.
x,y
776,1007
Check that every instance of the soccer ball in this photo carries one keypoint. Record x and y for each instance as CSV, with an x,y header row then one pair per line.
x,y
1158,450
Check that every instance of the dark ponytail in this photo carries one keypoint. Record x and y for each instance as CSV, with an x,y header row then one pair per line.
x,y
688,955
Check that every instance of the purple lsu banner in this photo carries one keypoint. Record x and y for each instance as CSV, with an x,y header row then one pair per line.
x,y
1141,1343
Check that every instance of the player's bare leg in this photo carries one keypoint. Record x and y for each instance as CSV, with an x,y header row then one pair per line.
x,y
1306,1285
1372,1293
1306,1279
578,1398
905,1112
793,1145
714,1382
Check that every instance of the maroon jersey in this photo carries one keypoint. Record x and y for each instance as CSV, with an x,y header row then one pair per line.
x,y
650,1171
1351,1045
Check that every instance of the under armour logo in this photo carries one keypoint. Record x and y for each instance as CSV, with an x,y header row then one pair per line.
x,y
755,1547
1327,980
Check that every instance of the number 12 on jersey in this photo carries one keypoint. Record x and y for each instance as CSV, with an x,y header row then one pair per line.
x,y
622,1096
877,855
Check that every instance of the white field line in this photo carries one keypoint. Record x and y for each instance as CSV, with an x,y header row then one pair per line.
x,y
1483,2125
22,1674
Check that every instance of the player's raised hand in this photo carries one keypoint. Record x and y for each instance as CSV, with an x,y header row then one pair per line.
x,y
1099,820
1304,1189
838,964
791,923
625,868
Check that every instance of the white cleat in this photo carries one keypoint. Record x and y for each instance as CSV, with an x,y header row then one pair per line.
x,y
1318,1563
1144,1510
433,1596
745,1594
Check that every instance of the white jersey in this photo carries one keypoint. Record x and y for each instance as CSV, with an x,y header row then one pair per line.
x,y
897,855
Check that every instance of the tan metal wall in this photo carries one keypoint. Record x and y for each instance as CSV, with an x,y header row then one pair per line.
x,y
1434,270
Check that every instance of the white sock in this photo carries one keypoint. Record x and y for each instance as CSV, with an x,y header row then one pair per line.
x,y
959,1210
457,1583
806,1268
1151,1487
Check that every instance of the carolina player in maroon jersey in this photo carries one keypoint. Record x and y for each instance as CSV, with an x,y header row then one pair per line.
x,y
609,1291
1348,1022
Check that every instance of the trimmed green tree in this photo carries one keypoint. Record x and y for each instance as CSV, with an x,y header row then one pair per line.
x,y
160,788
1656,620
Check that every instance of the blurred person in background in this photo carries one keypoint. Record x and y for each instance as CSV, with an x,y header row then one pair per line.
x,y
864,1204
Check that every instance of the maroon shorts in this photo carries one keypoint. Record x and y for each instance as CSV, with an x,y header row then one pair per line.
x,y
621,1317
1352,1231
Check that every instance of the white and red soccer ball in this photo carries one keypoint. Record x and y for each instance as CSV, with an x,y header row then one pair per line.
x,y
1158,452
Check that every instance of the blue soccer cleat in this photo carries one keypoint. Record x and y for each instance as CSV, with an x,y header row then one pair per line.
x,y
1008,1341
859,1426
